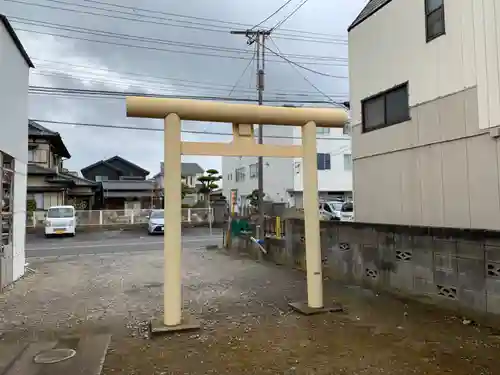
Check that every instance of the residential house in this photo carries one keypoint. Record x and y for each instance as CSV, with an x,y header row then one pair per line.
x,y
49,183
425,101
190,172
122,184
14,76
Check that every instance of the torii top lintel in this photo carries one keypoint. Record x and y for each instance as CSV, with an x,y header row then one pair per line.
x,y
200,110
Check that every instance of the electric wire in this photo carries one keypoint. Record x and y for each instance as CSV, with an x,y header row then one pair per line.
x,y
302,75
87,93
152,48
272,14
155,11
43,64
198,132
301,66
289,15
151,20
104,33
244,71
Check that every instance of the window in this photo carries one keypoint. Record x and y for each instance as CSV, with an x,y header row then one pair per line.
x,y
6,199
346,129
240,174
254,170
387,108
101,178
37,199
324,162
31,156
229,176
347,162
434,19
322,131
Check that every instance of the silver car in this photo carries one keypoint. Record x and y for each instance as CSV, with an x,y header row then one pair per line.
x,y
156,222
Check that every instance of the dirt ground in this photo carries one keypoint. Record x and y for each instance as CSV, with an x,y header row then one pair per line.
x,y
247,327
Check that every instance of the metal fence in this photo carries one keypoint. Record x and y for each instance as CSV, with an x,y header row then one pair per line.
x,y
195,216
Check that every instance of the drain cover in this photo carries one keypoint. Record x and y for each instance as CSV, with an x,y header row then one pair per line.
x,y
54,356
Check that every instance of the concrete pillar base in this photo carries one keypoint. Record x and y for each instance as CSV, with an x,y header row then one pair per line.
x,y
303,308
188,323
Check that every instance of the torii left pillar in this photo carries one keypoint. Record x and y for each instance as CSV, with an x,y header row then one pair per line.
x,y
173,319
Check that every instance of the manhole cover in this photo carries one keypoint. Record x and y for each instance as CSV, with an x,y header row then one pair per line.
x,y
54,356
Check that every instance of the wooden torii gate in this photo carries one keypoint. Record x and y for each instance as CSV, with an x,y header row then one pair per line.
x,y
242,116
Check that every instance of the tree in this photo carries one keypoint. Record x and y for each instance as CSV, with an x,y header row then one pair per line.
x,y
209,183
184,190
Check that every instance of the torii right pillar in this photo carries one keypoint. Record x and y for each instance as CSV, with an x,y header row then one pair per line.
x,y
314,303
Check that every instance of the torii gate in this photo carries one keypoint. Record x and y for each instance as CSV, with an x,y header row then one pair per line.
x,y
242,116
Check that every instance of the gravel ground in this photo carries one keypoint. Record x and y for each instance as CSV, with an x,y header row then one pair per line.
x,y
246,325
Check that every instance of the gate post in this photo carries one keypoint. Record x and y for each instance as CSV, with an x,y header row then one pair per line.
x,y
314,272
172,295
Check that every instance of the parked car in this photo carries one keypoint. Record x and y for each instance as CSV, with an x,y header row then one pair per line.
x,y
60,220
156,222
347,212
330,210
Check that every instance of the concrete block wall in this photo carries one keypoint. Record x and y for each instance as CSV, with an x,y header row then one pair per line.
x,y
458,269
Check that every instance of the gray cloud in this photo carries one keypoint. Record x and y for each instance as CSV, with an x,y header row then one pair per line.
x,y
109,62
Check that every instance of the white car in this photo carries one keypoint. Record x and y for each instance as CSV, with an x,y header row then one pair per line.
x,y
347,212
156,222
330,210
60,220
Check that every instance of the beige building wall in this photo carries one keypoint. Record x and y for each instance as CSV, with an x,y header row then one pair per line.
x,y
441,168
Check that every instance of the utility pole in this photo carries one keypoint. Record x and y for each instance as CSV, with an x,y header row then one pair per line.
x,y
259,36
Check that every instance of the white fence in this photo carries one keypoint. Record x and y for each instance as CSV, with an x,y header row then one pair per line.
x,y
195,216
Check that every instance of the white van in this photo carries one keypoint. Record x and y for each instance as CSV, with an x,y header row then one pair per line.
x,y
60,220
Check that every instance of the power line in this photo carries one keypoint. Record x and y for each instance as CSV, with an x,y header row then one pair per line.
x,y
164,86
302,75
272,14
301,66
152,48
71,28
155,11
42,90
289,16
243,73
150,20
154,79
199,132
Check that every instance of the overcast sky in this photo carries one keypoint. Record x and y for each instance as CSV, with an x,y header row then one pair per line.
x,y
157,67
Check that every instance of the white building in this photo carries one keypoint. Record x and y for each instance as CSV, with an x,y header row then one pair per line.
x,y
283,177
240,173
14,77
425,102
334,166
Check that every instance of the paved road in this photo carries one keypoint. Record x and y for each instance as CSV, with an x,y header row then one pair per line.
x,y
113,242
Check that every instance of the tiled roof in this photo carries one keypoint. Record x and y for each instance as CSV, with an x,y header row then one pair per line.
x,y
190,169
187,169
34,128
128,185
38,169
37,130
371,8
16,40
108,162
